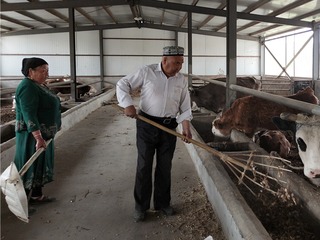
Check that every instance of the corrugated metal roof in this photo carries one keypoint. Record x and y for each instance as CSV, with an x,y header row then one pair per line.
x,y
255,18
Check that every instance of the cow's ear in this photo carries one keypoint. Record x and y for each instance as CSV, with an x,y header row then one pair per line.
x,y
191,90
284,124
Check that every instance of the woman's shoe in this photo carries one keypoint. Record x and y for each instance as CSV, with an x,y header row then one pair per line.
x,y
40,200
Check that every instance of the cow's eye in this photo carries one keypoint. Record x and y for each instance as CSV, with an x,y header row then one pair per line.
x,y
302,144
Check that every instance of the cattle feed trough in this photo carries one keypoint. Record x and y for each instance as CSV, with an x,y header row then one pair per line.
x,y
302,192
306,194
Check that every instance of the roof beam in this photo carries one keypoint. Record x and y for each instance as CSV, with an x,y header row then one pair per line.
x,y
204,22
54,12
127,25
9,19
106,8
249,9
36,18
150,3
5,7
295,4
195,2
5,27
317,11
86,15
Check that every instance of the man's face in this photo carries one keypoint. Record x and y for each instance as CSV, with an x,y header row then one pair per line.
x,y
172,65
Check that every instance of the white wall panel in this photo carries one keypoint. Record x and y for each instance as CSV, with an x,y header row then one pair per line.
x,y
126,65
11,66
58,65
137,33
210,55
57,43
123,56
248,48
88,65
285,49
248,66
87,42
134,47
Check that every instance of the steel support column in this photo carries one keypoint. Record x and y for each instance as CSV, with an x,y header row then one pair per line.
x,y
231,51
316,60
101,58
72,45
262,70
189,48
176,37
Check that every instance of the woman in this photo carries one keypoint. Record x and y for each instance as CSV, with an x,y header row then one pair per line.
x,y
38,118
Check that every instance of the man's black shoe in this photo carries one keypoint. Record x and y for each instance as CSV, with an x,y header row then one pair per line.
x,y
139,216
168,211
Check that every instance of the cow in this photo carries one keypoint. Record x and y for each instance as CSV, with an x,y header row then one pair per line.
x,y
250,114
274,141
64,91
307,133
213,97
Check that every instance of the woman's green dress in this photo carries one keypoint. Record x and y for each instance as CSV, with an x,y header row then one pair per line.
x,y
36,109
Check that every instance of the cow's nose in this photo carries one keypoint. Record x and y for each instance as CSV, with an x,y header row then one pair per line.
x,y
316,175
313,173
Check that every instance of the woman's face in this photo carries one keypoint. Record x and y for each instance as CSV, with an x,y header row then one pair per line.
x,y
39,74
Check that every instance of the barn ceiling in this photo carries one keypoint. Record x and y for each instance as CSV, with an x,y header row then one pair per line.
x,y
255,18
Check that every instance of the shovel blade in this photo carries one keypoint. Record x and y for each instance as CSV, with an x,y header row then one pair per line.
x,y
15,195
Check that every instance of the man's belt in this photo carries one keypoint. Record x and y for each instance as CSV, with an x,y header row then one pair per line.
x,y
164,121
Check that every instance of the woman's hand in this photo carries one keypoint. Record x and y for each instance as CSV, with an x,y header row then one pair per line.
x,y
41,143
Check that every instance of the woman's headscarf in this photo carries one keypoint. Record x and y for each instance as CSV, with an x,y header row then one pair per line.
x,y
28,63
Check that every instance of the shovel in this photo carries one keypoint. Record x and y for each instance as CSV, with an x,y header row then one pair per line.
x,y
222,156
13,189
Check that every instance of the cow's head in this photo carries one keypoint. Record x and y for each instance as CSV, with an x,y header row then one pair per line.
x,y
273,141
307,134
220,127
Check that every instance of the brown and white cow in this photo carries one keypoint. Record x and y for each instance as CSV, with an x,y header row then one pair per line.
x,y
251,114
64,91
277,141
213,97
307,136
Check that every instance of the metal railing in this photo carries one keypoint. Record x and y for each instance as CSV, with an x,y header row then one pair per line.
x,y
292,103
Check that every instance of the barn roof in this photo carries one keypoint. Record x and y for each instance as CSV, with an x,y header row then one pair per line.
x,y
255,18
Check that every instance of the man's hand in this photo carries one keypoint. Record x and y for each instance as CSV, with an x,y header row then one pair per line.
x,y
130,111
186,131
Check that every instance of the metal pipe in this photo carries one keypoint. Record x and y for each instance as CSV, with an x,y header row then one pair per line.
x,y
296,104
223,84
292,103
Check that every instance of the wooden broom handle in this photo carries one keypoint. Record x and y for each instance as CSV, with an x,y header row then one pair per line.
x,y
28,164
222,156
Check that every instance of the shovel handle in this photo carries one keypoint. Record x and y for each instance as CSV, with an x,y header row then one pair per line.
x,y
27,165
222,156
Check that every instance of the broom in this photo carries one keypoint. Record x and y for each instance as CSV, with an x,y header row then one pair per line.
x,y
235,165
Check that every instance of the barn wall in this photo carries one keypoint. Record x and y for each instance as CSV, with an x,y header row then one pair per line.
x,y
293,52
125,50
209,55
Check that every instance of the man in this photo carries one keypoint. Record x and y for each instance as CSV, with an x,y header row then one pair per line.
x,y
164,99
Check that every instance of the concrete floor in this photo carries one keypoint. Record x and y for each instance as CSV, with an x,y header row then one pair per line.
x,y
94,178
